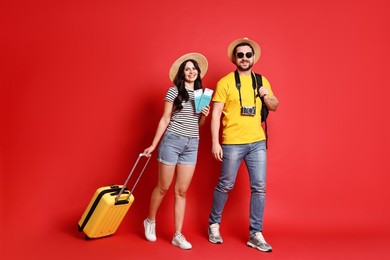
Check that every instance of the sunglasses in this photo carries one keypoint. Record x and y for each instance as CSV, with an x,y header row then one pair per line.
x,y
241,55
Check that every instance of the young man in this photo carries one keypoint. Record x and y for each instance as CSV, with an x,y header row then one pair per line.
x,y
237,99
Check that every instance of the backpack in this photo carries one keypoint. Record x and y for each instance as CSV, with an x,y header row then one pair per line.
x,y
264,109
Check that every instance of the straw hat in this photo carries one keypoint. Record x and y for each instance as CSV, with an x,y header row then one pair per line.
x,y
254,45
199,58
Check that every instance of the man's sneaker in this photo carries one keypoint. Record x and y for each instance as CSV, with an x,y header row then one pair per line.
x,y
258,242
150,230
180,241
214,235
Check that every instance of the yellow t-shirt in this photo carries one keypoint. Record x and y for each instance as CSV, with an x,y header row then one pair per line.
x,y
238,129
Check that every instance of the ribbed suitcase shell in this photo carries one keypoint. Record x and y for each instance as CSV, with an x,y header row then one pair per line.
x,y
105,216
107,208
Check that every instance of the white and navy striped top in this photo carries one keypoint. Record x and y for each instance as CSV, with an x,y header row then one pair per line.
x,y
186,121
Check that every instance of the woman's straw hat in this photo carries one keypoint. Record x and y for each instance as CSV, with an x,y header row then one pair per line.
x,y
199,58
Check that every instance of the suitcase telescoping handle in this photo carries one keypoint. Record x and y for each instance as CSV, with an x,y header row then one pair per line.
x,y
131,173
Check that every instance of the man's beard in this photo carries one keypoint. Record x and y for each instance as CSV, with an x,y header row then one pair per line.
x,y
246,68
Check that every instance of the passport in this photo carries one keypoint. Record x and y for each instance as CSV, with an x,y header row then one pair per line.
x,y
202,99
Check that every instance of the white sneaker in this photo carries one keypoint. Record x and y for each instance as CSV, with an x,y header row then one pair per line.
x,y
180,241
150,230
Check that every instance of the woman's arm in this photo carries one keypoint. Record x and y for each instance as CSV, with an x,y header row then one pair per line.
x,y
205,113
162,126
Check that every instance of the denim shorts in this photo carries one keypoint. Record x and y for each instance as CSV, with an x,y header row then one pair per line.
x,y
178,149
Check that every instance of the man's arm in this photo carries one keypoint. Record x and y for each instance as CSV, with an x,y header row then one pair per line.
x,y
271,102
215,125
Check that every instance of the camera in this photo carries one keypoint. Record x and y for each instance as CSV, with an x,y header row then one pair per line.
x,y
248,111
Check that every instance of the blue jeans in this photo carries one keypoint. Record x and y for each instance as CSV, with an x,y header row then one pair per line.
x,y
255,157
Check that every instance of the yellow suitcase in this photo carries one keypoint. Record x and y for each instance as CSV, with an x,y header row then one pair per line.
x,y
108,207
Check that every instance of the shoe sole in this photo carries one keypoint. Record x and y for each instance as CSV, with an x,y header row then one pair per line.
x,y
215,242
250,244
178,245
151,240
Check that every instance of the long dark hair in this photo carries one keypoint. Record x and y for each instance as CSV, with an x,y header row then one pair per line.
x,y
180,84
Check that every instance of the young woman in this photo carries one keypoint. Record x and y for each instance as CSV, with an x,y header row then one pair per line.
x,y
179,129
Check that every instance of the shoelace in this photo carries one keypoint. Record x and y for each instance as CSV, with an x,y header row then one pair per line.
x,y
151,228
214,230
181,238
260,237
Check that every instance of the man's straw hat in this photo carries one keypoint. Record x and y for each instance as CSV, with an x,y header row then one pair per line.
x,y
255,46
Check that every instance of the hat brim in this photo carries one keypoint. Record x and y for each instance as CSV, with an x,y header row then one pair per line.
x,y
255,46
199,58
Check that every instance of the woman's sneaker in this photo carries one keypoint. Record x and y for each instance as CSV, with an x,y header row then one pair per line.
x,y
258,242
150,230
180,241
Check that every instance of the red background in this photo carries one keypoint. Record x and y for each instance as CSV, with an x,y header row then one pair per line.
x,y
82,88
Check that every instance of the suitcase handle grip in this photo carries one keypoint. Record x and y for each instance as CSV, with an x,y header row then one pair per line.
x,y
131,173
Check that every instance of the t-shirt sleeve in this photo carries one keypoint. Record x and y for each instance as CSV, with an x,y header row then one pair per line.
x,y
220,94
171,94
267,85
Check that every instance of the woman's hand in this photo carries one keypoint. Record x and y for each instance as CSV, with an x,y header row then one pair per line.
x,y
206,111
149,150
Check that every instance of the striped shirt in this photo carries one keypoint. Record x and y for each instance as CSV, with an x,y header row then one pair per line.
x,y
186,121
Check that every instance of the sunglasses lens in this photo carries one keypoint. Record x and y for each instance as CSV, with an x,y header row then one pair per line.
x,y
240,55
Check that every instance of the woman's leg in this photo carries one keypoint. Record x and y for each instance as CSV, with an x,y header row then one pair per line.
x,y
184,175
165,177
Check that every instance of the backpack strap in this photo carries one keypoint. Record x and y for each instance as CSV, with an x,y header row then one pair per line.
x,y
264,108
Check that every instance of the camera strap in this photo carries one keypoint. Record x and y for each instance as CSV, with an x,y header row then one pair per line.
x,y
255,85
238,86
